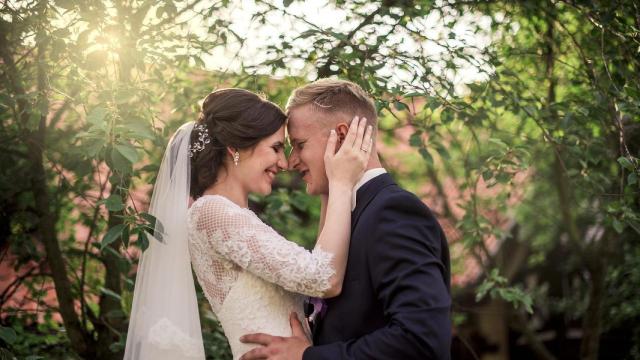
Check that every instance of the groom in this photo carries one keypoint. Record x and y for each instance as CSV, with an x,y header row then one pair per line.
x,y
395,301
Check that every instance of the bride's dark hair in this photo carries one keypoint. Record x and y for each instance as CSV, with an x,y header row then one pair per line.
x,y
234,118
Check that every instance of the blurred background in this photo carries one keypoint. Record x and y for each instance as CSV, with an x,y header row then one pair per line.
x,y
517,123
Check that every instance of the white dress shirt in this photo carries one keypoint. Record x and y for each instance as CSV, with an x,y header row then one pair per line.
x,y
368,175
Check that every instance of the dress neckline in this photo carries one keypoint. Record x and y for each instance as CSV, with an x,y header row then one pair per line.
x,y
225,198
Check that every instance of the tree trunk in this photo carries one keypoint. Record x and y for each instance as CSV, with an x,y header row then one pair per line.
x,y
47,219
592,323
519,322
111,327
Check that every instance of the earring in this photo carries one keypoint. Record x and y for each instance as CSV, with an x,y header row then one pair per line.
x,y
236,158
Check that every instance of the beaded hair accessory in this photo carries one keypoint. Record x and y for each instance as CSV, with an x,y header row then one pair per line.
x,y
203,139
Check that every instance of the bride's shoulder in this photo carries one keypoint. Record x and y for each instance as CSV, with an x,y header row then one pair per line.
x,y
213,203
208,198
219,212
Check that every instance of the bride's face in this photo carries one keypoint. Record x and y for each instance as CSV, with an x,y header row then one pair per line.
x,y
258,167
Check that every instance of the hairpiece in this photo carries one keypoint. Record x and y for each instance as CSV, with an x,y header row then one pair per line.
x,y
203,139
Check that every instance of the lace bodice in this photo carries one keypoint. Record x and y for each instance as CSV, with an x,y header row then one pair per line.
x,y
249,273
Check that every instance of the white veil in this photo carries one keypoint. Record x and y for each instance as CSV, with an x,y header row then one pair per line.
x,y
164,322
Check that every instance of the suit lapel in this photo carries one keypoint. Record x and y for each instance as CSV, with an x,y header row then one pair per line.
x,y
366,193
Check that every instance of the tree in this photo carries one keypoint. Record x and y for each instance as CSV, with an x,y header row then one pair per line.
x,y
546,142
538,152
83,83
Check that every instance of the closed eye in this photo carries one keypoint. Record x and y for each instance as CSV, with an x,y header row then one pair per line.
x,y
277,147
297,144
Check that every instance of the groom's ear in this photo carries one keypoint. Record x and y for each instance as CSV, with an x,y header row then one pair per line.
x,y
341,130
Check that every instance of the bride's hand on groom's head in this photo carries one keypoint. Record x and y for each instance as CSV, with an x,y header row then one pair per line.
x,y
278,347
346,165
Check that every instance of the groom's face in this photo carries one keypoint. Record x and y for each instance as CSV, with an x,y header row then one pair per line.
x,y
308,132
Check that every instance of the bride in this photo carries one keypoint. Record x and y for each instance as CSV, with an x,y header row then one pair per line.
x,y
252,277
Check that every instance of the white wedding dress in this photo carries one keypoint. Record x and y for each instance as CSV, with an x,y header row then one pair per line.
x,y
253,277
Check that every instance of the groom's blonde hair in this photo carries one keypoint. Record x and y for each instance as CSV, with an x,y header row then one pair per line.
x,y
331,96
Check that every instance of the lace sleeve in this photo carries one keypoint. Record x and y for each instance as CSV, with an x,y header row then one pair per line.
x,y
240,236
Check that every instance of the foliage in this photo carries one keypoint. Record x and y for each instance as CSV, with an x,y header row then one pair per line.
x,y
538,153
542,149
82,122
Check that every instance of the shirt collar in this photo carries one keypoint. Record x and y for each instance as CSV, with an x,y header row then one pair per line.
x,y
368,175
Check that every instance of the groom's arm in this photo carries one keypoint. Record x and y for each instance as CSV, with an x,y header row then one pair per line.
x,y
411,283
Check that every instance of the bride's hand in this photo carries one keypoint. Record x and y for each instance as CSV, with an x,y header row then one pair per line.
x,y
346,166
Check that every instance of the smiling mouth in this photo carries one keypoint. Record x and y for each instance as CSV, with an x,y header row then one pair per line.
x,y
271,174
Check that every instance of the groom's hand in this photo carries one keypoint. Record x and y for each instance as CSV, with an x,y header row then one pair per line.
x,y
278,347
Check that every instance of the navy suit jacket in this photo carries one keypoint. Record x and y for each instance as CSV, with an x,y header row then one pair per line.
x,y
395,301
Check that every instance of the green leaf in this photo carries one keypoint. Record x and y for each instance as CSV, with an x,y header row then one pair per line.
x,y
487,175
116,347
149,218
94,146
626,163
97,115
149,168
114,203
8,335
128,151
426,155
416,139
66,4
503,177
634,224
632,179
154,226
143,240
125,236
110,293
141,130
524,299
96,59
112,235
171,7
618,226
482,290
160,11
307,33
299,201
339,36
475,87
120,163
118,314
276,203
400,106
530,110
124,95
199,62
500,143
